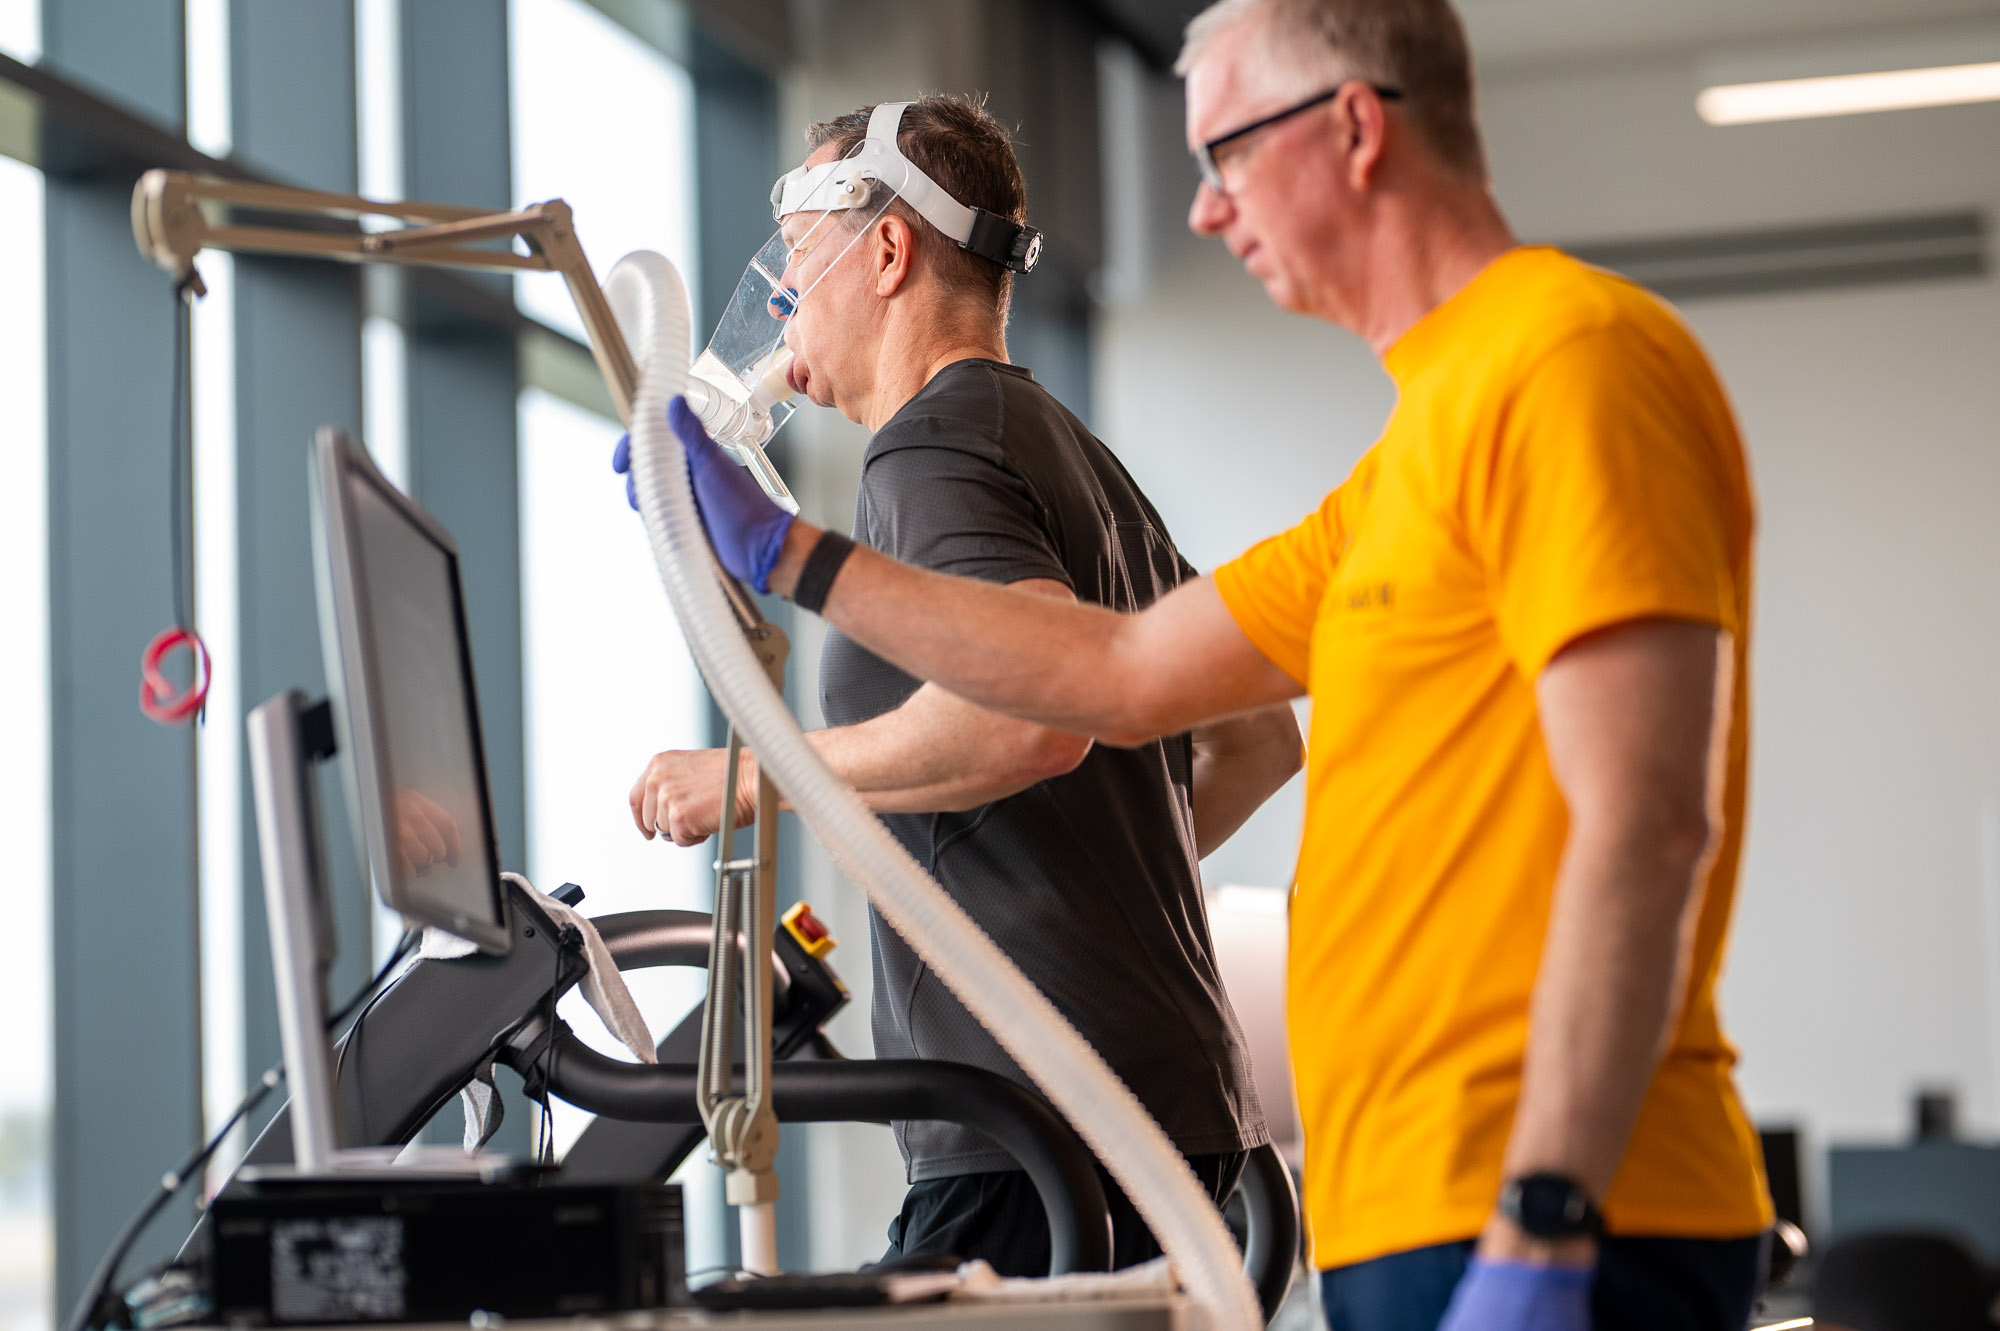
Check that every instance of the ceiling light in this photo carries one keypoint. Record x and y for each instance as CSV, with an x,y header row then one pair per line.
x,y
1848,94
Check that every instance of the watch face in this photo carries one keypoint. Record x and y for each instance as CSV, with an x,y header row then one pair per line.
x,y
1549,1206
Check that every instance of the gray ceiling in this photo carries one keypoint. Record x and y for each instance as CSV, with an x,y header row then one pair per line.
x,y
1152,26
1507,32
1516,32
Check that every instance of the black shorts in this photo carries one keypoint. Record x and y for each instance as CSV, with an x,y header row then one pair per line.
x,y
999,1217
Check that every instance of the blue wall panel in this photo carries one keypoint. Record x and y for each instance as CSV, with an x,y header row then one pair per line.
x,y
298,366
125,968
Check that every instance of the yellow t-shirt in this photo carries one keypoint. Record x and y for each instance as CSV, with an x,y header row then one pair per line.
x,y
1561,459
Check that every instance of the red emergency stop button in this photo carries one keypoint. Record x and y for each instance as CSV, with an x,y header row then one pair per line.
x,y
811,933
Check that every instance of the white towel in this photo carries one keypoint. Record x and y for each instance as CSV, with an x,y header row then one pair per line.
x,y
982,1284
480,1099
603,988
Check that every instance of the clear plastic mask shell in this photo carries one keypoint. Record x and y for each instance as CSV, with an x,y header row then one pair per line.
x,y
739,386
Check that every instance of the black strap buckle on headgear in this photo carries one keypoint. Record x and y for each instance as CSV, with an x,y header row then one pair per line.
x,y
1013,246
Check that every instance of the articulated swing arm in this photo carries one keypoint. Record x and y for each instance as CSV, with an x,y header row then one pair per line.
x,y
172,226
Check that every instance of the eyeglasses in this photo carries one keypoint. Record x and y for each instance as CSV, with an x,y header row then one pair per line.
x,y
1205,156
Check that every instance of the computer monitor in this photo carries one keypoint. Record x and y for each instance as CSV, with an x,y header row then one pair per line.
x,y
405,714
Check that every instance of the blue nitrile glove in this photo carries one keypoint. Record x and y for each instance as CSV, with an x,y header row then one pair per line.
x,y
746,528
621,462
1512,1296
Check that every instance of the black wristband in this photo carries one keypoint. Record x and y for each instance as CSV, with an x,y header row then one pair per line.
x,y
829,552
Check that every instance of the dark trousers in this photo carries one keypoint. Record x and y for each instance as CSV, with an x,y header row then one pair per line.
x,y
1642,1285
999,1217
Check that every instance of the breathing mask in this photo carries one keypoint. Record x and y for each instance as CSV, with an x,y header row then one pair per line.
x,y
740,385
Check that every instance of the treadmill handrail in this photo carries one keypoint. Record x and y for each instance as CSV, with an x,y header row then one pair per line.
x,y
638,939
439,1021
1270,1198
876,1090
1271,1213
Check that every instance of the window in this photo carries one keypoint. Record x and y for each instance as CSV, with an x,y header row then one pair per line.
x,y
26,1230
609,683
604,122
601,120
21,30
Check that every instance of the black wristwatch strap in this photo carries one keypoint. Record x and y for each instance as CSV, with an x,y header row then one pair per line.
x,y
829,552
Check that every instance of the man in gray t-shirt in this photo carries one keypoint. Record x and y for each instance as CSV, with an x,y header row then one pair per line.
x,y
1087,878
1081,862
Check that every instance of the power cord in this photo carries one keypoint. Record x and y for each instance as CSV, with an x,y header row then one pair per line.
x,y
404,946
91,1310
159,699
178,446
568,936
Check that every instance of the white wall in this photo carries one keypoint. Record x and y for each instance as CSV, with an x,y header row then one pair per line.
x,y
1866,958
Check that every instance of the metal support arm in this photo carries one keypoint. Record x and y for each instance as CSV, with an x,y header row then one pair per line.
x,y
743,1129
172,222
172,227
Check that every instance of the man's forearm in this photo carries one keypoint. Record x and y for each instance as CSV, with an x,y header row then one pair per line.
x,y
1073,667
938,754
1238,764
1612,978
998,648
947,796
1635,719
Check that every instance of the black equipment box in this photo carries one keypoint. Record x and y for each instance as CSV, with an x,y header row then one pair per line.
x,y
381,1250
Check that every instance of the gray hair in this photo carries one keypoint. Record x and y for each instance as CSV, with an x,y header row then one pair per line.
x,y
1205,26
1417,46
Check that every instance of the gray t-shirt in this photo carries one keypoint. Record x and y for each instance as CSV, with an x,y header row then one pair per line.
x,y
1089,880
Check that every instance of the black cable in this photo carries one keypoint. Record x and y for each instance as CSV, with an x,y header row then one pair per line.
x,y
85,1314
373,990
401,950
548,1151
87,1309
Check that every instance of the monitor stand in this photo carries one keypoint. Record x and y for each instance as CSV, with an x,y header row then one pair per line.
x,y
287,737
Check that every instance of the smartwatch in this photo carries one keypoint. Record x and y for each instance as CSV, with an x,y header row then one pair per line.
x,y
1550,1206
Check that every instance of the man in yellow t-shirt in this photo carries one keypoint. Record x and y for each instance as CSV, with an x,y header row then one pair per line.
x,y
1524,622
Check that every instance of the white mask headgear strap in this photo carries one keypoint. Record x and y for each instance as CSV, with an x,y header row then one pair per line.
x,y
848,183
